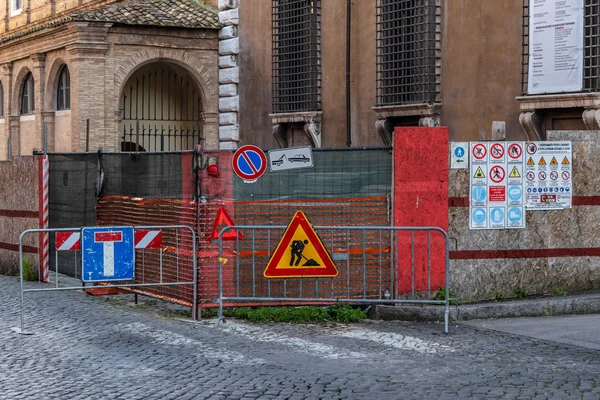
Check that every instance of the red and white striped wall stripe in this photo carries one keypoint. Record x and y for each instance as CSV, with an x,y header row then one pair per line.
x,y
68,241
145,239
45,248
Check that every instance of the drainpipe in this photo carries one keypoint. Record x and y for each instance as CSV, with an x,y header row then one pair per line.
x,y
348,126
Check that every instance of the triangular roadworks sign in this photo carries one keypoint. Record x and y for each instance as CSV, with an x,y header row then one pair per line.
x,y
300,253
223,218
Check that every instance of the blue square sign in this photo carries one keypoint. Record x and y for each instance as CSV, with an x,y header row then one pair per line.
x,y
108,254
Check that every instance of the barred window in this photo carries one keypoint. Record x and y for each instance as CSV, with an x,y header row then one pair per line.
x,y
296,55
591,49
406,52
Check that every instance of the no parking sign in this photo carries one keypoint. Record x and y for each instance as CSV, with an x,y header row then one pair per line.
x,y
249,163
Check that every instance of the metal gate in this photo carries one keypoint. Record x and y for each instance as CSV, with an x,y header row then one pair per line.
x,y
367,259
161,107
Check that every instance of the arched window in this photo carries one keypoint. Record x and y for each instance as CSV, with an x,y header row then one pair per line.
x,y
1,100
63,92
27,100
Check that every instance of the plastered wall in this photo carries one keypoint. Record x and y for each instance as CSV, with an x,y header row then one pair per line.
x,y
19,199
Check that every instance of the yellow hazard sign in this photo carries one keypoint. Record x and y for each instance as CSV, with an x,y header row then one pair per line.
x,y
479,173
553,161
514,173
542,161
565,161
530,161
300,253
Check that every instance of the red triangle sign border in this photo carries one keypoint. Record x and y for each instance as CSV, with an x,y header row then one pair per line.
x,y
223,217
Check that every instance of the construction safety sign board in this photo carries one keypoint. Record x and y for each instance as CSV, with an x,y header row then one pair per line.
x,y
497,185
300,253
459,155
548,172
108,254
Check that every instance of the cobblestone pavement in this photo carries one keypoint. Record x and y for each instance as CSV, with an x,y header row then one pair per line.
x,y
87,347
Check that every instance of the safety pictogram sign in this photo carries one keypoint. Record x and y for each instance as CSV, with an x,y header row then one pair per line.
x,y
221,221
514,173
515,151
565,161
542,161
300,253
530,161
553,161
531,148
497,174
479,151
249,163
497,150
479,173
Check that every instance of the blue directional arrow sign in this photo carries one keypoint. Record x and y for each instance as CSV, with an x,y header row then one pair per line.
x,y
108,254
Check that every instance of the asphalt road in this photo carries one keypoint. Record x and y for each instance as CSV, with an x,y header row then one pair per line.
x,y
86,347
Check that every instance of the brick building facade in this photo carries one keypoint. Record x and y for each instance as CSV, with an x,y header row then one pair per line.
x,y
77,75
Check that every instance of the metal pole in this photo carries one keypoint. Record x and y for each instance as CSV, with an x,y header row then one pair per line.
x,y
87,136
220,316
195,295
9,149
21,280
447,313
348,98
45,139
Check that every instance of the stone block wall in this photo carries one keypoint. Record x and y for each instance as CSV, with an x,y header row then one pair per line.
x,y
557,249
229,75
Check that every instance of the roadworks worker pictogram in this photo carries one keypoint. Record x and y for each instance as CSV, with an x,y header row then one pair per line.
x,y
300,253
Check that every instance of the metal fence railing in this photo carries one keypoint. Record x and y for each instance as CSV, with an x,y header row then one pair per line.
x,y
158,256
375,265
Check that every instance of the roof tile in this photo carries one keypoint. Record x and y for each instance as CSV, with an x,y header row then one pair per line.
x,y
168,13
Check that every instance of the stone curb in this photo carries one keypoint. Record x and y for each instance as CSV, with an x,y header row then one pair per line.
x,y
541,307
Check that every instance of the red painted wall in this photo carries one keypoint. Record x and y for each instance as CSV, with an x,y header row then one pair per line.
x,y
421,199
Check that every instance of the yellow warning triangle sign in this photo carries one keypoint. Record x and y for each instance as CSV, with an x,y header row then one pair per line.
x,y
530,161
479,173
514,173
565,161
542,161
553,161
300,253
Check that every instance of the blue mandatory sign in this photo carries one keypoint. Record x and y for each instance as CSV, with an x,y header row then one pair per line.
x,y
567,189
479,215
107,254
515,214
459,152
528,190
497,215
515,193
479,193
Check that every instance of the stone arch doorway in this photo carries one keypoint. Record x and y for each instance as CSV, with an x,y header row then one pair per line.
x,y
161,108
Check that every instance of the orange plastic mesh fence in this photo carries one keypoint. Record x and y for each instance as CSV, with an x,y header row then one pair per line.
x,y
247,258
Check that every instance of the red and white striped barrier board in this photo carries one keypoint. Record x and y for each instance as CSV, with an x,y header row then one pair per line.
x,y
148,239
44,247
68,241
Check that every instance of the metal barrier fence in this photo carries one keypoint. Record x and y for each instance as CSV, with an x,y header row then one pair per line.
x,y
375,264
157,252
